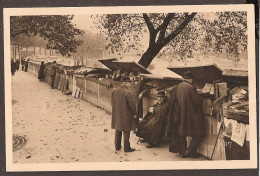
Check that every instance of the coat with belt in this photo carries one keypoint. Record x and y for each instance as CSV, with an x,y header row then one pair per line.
x,y
123,109
191,119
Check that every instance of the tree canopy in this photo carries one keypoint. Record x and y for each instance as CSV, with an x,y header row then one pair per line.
x,y
175,33
57,30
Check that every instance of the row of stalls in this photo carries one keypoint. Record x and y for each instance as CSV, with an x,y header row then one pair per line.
x,y
225,105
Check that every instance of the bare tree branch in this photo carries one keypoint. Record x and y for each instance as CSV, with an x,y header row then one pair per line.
x,y
148,23
179,28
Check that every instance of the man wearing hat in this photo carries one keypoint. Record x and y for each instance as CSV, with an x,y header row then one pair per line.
x,y
123,114
152,129
191,117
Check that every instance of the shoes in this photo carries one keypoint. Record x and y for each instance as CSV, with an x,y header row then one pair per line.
x,y
130,150
190,155
150,146
119,148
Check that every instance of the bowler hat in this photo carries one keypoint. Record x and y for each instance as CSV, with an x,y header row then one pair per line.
x,y
161,94
187,75
125,79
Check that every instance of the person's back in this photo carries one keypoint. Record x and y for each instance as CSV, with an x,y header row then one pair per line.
x,y
121,110
191,113
191,118
123,115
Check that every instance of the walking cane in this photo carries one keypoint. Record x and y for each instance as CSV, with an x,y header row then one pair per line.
x,y
140,137
221,126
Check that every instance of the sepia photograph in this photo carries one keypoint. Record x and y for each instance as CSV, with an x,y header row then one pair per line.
x,y
130,88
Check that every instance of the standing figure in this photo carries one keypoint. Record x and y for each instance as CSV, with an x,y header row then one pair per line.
x,y
152,129
26,65
137,90
123,114
41,72
53,74
22,62
191,117
13,66
17,64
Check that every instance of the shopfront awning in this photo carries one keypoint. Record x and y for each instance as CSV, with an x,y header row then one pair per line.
x,y
204,73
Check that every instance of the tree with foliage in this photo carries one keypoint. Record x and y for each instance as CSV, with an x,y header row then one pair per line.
x,y
175,33
57,30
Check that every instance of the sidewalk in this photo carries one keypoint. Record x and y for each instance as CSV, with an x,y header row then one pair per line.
x,y
61,129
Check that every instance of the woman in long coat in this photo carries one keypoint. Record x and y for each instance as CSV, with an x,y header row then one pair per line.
x,y
154,130
41,72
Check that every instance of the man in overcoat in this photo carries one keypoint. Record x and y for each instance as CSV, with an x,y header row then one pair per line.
x,y
123,114
191,117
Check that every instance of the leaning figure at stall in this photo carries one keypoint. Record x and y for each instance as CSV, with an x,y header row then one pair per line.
x,y
137,90
152,128
191,117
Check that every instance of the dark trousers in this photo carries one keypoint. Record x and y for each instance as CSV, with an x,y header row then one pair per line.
x,y
22,67
118,137
192,149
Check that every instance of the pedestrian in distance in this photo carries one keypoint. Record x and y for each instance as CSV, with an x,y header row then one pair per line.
x,y
41,71
22,62
13,66
123,114
53,74
17,64
191,117
26,65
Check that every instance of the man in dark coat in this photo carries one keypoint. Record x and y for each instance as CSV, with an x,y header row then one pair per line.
x,y
123,114
41,71
53,74
13,66
138,91
191,118
17,64
26,65
22,62
154,126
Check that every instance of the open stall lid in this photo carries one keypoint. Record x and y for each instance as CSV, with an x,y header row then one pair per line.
x,y
159,82
129,66
231,75
204,73
110,64
235,73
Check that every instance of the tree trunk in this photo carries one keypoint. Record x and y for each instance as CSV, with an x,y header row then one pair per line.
x,y
149,55
19,54
14,52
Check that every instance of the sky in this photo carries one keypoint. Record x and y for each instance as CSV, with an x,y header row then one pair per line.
x,y
84,22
